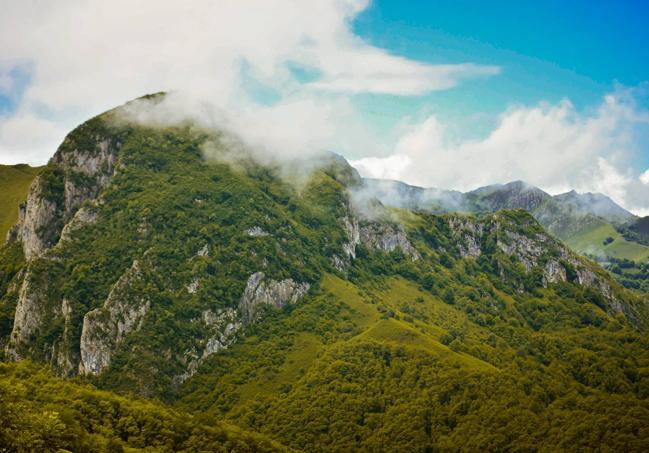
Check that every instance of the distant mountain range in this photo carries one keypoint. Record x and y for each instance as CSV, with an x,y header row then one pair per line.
x,y
591,223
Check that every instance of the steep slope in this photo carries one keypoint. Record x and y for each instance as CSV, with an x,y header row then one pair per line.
x,y
14,184
285,299
636,230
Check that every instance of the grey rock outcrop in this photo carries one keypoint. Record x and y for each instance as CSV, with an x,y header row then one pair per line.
x,y
106,327
467,234
51,205
553,272
65,359
86,215
256,231
36,217
220,330
387,237
527,249
29,316
375,235
534,250
261,291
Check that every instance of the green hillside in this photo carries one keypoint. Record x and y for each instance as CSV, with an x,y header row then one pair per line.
x,y
592,238
222,297
39,412
14,184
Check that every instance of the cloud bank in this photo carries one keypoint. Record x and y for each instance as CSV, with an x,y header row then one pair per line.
x,y
554,147
86,57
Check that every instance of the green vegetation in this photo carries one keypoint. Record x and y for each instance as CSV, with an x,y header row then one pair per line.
x,y
592,239
39,412
631,274
14,185
388,365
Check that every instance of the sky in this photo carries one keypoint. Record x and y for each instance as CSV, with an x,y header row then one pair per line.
x,y
449,94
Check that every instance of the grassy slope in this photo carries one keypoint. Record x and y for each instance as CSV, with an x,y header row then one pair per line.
x,y
590,240
365,366
14,185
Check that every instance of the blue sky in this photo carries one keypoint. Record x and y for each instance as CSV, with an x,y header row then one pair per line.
x,y
452,94
548,50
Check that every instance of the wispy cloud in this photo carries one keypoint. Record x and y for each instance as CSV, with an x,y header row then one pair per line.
x,y
89,56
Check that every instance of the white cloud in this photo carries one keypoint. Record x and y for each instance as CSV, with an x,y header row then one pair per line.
x,y
27,138
90,56
551,146
644,178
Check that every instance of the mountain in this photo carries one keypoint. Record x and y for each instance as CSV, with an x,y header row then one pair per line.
x,y
14,184
588,222
281,304
515,195
636,230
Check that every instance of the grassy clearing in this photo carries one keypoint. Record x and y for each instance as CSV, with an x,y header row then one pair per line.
x,y
14,185
590,240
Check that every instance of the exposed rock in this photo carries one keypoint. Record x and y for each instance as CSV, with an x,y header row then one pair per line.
x,y
29,316
193,286
260,291
387,237
350,225
106,327
84,173
256,231
86,215
204,251
220,331
339,263
64,358
36,218
467,234
553,272
381,236
527,249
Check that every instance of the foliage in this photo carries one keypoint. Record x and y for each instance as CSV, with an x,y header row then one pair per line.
x,y
39,412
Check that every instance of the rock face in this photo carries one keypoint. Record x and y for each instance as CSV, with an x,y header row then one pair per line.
x,y
533,250
106,327
466,233
88,170
553,272
260,291
256,231
29,315
387,238
380,236
76,174
35,219
527,249
220,330
86,215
